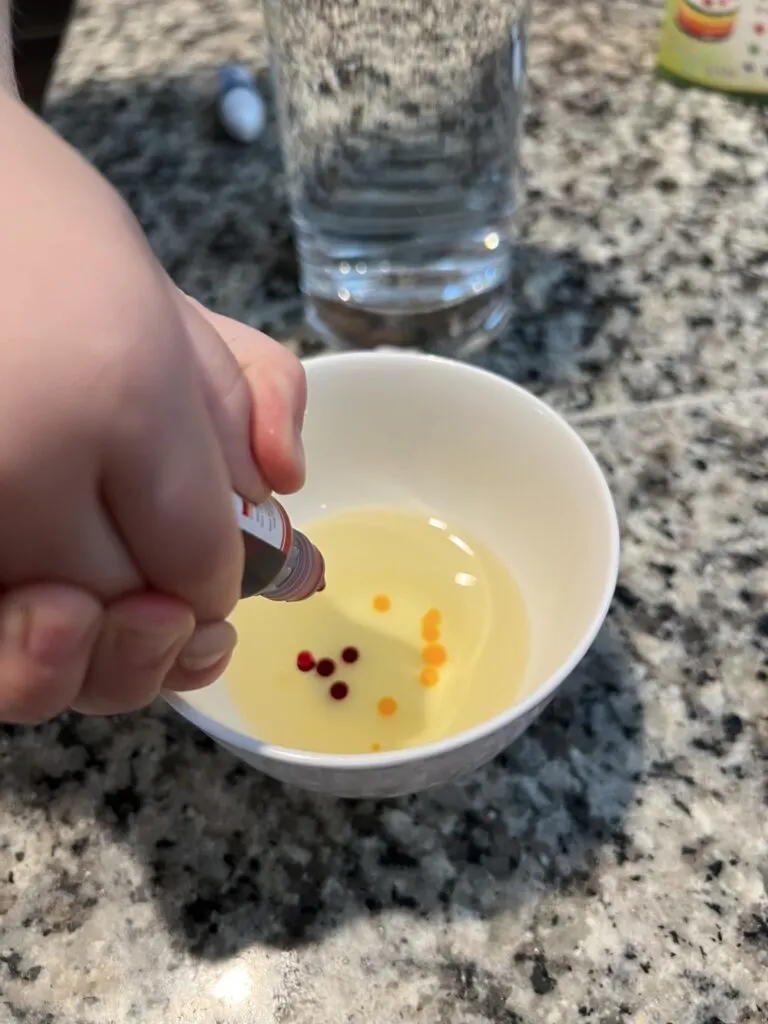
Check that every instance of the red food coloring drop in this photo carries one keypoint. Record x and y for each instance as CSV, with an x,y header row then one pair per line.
x,y
325,667
305,662
339,691
350,655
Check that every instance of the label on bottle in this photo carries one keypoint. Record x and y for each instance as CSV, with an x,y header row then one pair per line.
x,y
722,44
268,521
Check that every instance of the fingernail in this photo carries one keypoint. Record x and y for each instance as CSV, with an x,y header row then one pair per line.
x,y
298,448
299,416
208,646
293,426
145,648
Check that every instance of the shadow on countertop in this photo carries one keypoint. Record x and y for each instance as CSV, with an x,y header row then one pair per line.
x,y
232,858
217,217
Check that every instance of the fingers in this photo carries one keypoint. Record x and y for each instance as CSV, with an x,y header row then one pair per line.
x,y
140,640
228,400
232,419
257,394
60,649
47,633
167,487
149,643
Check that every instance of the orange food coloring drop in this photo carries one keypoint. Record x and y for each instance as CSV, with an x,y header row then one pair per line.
x,y
430,634
430,626
429,677
382,603
435,654
387,706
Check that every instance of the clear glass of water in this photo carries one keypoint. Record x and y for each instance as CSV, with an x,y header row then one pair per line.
x,y
400,123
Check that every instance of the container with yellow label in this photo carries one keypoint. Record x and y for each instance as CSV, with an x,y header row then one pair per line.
x,y
721,44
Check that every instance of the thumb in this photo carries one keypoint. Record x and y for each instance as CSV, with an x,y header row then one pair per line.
x,y
256,393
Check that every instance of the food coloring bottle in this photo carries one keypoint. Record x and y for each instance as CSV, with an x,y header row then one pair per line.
x,y
280,563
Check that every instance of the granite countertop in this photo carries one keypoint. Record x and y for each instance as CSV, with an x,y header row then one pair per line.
x,y
612,867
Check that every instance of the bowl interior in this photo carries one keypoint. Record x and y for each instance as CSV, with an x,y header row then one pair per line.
x,y
476,451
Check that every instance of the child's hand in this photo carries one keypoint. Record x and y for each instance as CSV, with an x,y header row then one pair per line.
x,y
127,415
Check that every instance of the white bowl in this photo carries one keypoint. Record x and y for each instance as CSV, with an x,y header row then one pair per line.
x,y
386,428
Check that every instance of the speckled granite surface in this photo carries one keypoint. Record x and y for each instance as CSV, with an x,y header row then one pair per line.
x,y
613,866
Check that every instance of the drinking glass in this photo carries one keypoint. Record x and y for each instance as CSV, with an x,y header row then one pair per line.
x,y
400,124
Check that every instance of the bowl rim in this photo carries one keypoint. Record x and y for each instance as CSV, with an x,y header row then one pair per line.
x,y
468,737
